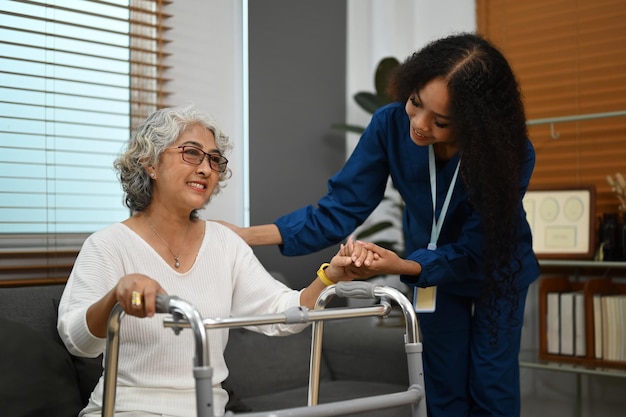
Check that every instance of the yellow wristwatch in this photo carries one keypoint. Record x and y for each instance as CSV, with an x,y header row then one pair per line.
x,y
321,274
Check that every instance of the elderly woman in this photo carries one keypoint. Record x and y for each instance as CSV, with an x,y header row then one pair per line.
x,y
173,164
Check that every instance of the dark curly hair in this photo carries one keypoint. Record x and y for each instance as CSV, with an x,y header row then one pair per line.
x,y
488,119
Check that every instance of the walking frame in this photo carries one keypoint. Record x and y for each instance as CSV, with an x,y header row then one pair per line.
x,y
184,315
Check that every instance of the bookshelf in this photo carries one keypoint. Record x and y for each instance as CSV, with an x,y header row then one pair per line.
x,y
530,359
577,272
588,279
549,265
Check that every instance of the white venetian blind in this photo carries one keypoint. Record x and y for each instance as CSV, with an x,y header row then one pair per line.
x,y
570,58
65,103
74,76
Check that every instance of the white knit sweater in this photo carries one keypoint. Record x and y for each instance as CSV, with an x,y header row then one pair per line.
x,y
155,366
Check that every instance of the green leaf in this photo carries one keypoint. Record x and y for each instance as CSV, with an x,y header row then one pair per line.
x,y
368,101
387,244
348,128
380,226
381,79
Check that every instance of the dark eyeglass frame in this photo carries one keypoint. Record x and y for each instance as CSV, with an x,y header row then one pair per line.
x,y
219,164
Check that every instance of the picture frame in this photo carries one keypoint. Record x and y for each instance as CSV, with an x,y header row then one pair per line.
x,y
562,221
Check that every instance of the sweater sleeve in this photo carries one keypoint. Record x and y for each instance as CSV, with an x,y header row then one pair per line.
x,y
257,292
95,272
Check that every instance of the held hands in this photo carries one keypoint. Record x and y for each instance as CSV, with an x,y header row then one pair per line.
x,y
352,261
136,293
369,260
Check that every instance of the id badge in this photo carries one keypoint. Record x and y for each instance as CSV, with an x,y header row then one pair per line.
x,y
425,299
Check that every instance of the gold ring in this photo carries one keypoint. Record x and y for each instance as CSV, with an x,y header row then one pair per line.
x,y
135,298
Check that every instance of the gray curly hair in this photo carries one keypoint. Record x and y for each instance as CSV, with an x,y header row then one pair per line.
x,y
149,140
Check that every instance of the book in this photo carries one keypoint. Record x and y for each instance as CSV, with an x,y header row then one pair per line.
x,y
620,336
597,326
622,345
580,325
613,328
606,327
616,327
553,332
566,325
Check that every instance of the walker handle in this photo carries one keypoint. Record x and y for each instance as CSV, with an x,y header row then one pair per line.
x,y
163,303
355,289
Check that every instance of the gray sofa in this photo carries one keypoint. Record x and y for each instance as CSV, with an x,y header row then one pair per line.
x,y
38,377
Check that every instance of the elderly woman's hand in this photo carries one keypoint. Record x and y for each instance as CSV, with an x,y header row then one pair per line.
x,y
349,262
136,293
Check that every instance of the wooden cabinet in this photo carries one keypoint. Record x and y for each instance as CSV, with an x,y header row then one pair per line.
x,y
593,324
590,277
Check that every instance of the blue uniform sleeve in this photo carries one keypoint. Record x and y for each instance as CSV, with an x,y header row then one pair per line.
x,y
353,193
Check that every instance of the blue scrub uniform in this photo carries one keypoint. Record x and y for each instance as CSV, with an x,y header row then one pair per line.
x,y
465,374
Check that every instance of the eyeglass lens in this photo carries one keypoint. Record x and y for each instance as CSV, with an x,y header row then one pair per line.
x,y
195,156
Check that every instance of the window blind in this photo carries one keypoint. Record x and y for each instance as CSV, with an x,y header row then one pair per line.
x,y
75,77
570,58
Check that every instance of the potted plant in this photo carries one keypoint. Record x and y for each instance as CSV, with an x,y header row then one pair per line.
x,y
370,102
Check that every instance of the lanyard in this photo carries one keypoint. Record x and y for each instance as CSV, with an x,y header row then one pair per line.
x,y
438,223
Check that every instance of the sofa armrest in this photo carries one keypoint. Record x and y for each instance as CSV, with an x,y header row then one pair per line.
x,y
36,306
37,377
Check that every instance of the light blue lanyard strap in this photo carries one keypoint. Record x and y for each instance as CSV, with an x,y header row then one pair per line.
x,y
438,223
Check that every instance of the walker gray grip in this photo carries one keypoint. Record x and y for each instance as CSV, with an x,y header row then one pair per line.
x,y
355,289
163,303
297,314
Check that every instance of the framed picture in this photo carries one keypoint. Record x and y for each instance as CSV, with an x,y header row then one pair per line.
x,y
562,221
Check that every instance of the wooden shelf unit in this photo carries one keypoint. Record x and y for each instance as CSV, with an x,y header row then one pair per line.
x,y
591,277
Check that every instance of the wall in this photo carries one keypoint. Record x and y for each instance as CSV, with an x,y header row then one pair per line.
x,y
296,58
297,90
206,60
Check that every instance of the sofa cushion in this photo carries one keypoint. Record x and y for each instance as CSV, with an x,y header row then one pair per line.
x,y
37,377
348,344
36,306
33,305
260,364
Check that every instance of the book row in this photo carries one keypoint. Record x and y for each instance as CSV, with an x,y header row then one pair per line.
x,y
583,321
566,325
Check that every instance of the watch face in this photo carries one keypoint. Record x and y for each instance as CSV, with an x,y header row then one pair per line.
x,y
549,209
573,209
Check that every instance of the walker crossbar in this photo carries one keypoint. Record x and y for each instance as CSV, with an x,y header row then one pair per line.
x,y
340,408
184,316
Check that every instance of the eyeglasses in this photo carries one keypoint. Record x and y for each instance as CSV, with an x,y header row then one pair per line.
x,y
195,156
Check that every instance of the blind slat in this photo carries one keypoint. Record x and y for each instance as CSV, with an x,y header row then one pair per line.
x,y
74,76
570,59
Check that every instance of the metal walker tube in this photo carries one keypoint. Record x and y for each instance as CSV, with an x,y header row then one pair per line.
x,y
202,370
364,290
